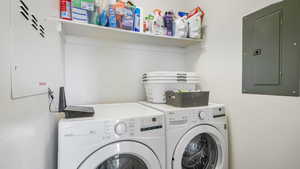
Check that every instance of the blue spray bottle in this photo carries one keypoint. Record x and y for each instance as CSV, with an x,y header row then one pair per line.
x,y
112,17
103,18
137,19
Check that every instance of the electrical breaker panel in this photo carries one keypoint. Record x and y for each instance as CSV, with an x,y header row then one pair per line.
x,y
271,57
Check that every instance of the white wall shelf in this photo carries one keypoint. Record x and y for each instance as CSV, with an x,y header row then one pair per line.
x,y
72,28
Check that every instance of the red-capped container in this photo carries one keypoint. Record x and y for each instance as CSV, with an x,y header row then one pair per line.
x,y
65,9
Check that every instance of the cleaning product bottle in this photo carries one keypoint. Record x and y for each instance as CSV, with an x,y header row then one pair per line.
x,y
195,19
119,8
181,25
95,19
89,6
112,17
158,23
103,18
137,16
128,18
65,9
148,24
168,23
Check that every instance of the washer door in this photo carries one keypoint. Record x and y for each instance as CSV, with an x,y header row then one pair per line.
x,y
122,155
202,147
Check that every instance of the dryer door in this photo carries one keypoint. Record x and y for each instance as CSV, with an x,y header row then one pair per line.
x,y
202,147
122,155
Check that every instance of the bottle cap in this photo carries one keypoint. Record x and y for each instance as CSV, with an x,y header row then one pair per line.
x,y
137,10
182,14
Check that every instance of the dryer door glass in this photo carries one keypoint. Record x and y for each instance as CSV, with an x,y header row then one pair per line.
x,y
200,153
123,161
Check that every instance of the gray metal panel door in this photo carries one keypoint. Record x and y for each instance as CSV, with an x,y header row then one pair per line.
x,y
266,52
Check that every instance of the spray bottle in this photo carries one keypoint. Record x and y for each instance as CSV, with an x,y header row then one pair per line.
x,y
103,16
95,19
158,23
137,20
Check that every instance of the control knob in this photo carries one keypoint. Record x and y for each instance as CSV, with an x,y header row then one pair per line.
x,y
201,115
120,128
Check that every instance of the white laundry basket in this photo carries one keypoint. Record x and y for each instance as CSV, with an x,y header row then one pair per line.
x,y
165,74
157,83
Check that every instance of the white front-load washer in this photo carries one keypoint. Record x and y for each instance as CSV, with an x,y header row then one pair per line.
x,y
196,138
119,136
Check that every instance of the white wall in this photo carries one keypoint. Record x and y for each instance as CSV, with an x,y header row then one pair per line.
x,y
264,130
101,71
27,129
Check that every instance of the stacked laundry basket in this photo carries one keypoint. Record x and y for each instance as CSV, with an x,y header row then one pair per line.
x,y
157,83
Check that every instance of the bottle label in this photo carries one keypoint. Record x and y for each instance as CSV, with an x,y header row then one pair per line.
x,y
137,23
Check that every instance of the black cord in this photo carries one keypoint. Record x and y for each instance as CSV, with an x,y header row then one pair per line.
x,y
51,98
50,104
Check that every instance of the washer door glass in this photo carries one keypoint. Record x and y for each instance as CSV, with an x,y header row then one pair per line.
x,y
200,153
123,161
122,155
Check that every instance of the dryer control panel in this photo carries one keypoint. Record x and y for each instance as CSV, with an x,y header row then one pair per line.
x,y
177,118
181,118
202,115
191,116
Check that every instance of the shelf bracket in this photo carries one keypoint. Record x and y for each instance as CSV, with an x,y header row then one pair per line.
x,y
59,27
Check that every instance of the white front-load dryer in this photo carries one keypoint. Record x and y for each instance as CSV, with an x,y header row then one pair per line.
x,y
196,138
119,136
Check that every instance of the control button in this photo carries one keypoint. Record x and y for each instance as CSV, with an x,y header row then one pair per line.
x,y
201,115
120,128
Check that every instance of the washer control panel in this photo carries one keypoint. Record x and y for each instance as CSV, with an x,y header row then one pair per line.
x,y
120,128
131,127
91,132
